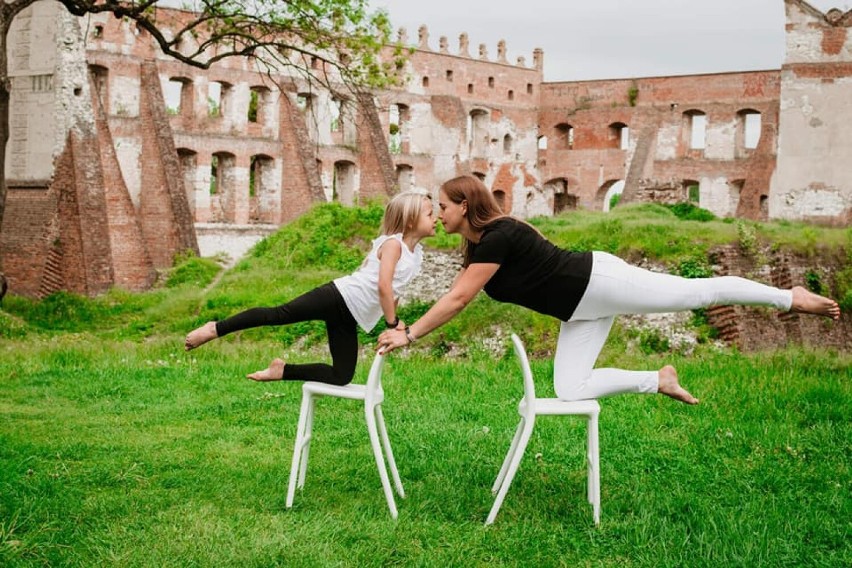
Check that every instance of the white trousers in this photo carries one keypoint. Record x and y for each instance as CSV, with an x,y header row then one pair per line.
x,y
617,288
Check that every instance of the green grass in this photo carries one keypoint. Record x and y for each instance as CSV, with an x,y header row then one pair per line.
x,y
138,455
119,449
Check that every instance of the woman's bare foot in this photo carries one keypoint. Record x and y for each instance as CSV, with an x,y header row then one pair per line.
x,y
670,387
200,336
274,372
806,302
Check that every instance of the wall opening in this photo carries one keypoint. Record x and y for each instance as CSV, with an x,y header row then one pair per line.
x,y
477,132
100,78
748,131
258,105
404,177
692,191
619,136
343,185
500,197
261,189
507,144
564,139
695,129
735,190
188,160
609,194
222,185
218,95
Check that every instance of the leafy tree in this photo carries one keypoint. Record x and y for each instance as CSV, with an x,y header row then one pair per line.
x,y
331,43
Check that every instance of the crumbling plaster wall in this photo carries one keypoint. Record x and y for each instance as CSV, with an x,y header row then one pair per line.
x,y
813,180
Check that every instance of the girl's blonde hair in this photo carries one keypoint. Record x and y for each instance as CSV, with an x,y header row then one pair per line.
x,y
402,211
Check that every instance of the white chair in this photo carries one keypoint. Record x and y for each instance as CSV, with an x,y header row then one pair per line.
x,y
372,395
529,408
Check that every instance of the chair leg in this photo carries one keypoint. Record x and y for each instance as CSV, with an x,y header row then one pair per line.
x,y
372,430
306,443
508,458
513,468
297,448
383,434
594,469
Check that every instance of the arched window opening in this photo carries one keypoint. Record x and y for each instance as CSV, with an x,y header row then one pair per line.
x,y
261,189
343,185
222,183
735,190
692,191
218,95
564,139
477,132
398,117
100,79
258,103
619,135
542,142
404,177
609,194
507,144
748,131
480,176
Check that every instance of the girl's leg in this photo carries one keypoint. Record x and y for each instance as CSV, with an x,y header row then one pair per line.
x,y
324,303
617,288
307,307
574,378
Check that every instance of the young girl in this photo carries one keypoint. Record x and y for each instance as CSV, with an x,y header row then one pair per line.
x,y
361,298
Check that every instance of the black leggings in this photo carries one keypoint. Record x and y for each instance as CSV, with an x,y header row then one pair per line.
x,y
323,303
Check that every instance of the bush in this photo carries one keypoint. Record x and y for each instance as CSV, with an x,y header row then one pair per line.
x,y
690,212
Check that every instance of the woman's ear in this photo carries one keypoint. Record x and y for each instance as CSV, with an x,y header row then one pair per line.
x,y
464,206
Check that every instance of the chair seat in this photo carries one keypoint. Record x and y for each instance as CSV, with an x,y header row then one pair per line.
x,y
555,406
350,391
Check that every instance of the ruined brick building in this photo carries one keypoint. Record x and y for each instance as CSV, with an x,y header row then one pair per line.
x,y
120,157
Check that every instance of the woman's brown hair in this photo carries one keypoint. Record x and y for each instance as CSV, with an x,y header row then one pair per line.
x,y
482,208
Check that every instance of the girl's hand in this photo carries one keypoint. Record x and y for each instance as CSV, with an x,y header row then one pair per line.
x,y
391,339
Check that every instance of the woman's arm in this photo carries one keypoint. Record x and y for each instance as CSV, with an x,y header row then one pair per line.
x,y
389,254
465,289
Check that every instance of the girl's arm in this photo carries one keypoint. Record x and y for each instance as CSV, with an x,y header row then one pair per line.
x,y
465,289
389,254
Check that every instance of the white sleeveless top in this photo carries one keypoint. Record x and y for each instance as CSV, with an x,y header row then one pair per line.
x,y
360,290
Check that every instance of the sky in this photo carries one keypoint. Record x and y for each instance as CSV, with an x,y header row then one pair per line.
x,y
609,39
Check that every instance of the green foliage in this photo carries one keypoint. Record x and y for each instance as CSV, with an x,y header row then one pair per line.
x,y
696,267
690,212
613,201
11,327
331,236
632,94
652,341
747,239
190,269
813,281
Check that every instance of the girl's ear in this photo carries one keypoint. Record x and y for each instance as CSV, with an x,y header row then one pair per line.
x,y
464,206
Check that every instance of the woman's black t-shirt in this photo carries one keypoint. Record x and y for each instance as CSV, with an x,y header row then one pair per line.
x,y
533,272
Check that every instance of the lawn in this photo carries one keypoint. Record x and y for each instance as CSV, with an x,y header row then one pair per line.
x,y
117,448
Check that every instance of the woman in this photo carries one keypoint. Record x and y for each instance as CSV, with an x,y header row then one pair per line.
x,y
361,298
514,263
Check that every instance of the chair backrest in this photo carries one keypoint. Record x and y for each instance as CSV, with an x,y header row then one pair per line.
x,y
521,352
374,379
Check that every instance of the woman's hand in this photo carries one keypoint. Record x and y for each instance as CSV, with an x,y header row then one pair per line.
x,y
391,339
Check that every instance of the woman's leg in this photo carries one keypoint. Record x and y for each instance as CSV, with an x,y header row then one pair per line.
x,y
574,377
617,288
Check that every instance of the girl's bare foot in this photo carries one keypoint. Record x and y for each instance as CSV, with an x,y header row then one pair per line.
x,y
806,302
274,372
670,387
200,336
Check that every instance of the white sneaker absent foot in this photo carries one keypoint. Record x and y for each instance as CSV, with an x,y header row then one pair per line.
x,y
670,386
200,336
806,302
275,372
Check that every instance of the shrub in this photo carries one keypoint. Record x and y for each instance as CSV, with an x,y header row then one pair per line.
x,y
690,212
